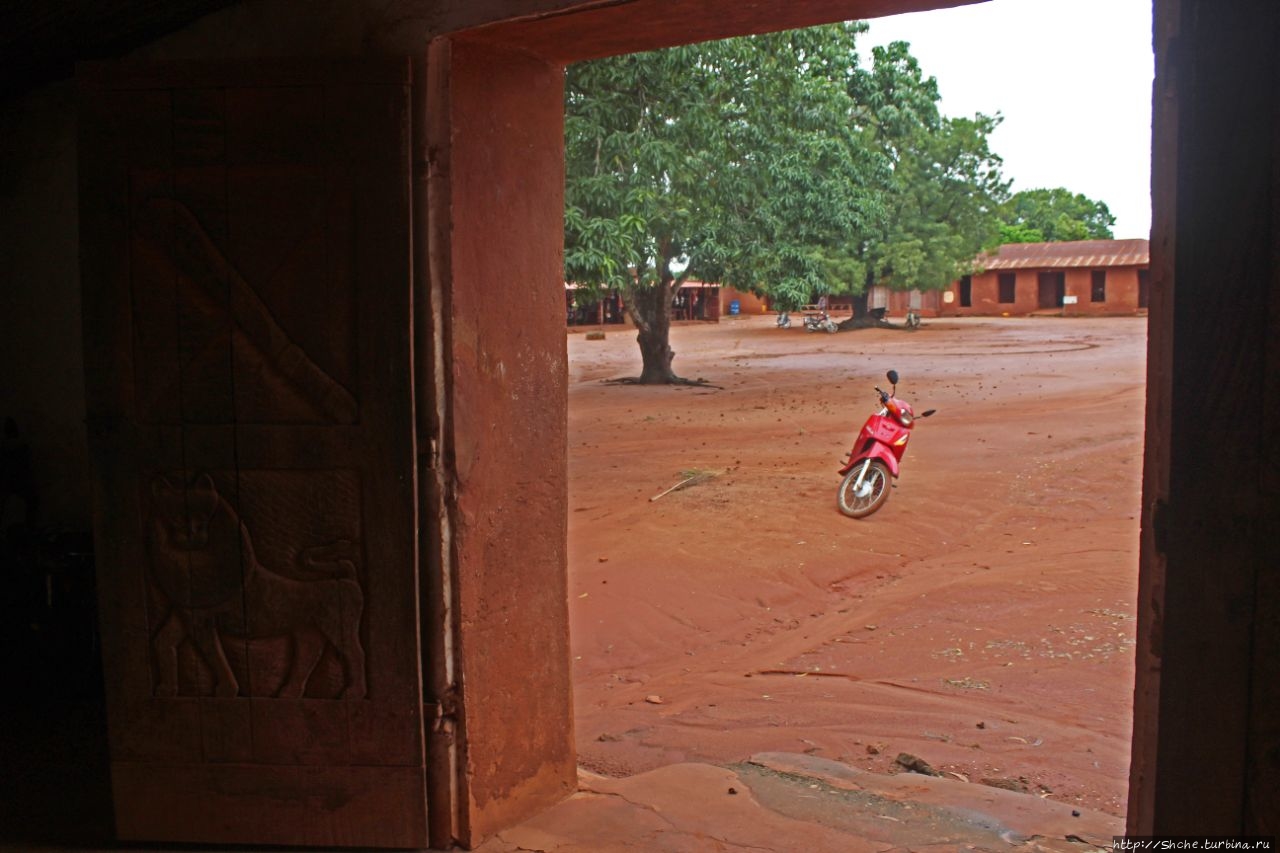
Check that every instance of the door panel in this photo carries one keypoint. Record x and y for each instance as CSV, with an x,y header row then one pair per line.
x,y
246,276
1052,288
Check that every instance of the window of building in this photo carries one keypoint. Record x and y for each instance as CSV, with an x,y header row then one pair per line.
x,y
1099,292
1144,287
966,291
1008,287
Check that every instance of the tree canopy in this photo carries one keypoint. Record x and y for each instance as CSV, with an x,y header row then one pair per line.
x,y
946,186
1054,216
776,164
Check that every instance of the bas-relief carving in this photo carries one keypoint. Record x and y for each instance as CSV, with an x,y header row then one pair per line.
x,y
212,586
274,379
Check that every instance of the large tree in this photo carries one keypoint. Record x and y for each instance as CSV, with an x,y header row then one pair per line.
x,y
774,163
946,187
1054,215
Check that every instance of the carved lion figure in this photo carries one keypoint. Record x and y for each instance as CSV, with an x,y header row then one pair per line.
x,y
203,562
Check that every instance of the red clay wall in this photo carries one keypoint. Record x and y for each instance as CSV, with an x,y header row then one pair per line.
x,y
929,303
509,436
985,296
1121,294
748,303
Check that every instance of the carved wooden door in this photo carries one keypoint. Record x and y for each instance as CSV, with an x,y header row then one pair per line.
x,y
245,235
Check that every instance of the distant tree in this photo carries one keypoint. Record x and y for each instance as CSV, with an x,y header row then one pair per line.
x,y
731,161
945,189
775,164
1019,234
1054,216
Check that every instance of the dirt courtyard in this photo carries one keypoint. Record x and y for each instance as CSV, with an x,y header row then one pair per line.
x,y
982,620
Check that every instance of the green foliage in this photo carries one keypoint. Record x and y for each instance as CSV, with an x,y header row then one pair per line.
x,y
946,185
775,164
1020,234
1054,216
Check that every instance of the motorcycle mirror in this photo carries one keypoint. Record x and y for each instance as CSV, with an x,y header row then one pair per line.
x,y
927,412
892,375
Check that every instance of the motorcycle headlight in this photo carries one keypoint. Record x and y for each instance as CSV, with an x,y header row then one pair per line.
x,y
904,418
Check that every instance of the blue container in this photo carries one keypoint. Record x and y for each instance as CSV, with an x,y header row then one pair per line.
x,y
734,307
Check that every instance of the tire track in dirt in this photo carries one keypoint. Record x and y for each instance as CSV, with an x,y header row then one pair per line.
x,y
1038,441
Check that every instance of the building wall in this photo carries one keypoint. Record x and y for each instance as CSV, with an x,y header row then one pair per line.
x,y
40,325
1121,294
508,771
927,303
504,142
39,301
40,336
748,303
985,293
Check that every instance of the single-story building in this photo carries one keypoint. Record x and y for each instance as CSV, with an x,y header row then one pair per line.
x,y
896,303
696,300
1084,277
748,303
582,306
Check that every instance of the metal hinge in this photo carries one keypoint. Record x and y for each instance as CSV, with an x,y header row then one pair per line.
x,y
443,715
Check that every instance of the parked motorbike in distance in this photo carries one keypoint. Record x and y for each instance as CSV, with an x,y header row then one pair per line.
x,y
784,320
819,322
877,453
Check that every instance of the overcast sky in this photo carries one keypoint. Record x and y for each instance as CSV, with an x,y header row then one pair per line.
x,y
1072,79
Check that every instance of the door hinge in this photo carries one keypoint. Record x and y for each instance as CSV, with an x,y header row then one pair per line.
x,y
443,715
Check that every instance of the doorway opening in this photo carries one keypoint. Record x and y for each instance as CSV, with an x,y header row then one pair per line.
x,y
1052,288
742,614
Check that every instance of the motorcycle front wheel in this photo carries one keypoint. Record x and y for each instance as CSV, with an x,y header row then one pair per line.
x,y
859,502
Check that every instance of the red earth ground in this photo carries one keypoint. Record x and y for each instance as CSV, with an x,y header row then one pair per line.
x,y
982,620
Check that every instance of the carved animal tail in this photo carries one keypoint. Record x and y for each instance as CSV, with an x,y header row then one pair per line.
x,y
337,559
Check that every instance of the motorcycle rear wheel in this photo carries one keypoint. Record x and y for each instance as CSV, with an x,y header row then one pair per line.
x,y
874,492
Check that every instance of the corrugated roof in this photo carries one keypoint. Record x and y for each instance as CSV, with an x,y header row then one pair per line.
x,y
1081,253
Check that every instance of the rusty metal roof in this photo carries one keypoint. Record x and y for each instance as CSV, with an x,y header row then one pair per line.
x,y
1094,254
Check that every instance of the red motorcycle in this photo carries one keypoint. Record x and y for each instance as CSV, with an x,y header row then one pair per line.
x,y
877,454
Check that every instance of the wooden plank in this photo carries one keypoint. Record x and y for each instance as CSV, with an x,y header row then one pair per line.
x,y
110,161
262,72
301,732
384,316
248,272
1155,474
1262,809
251,804
1216,552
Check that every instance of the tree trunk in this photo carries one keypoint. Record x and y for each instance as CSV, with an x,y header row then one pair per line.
x,y
860,304
650,309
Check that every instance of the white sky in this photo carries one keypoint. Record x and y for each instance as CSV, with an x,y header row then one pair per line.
x,y
1072,79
